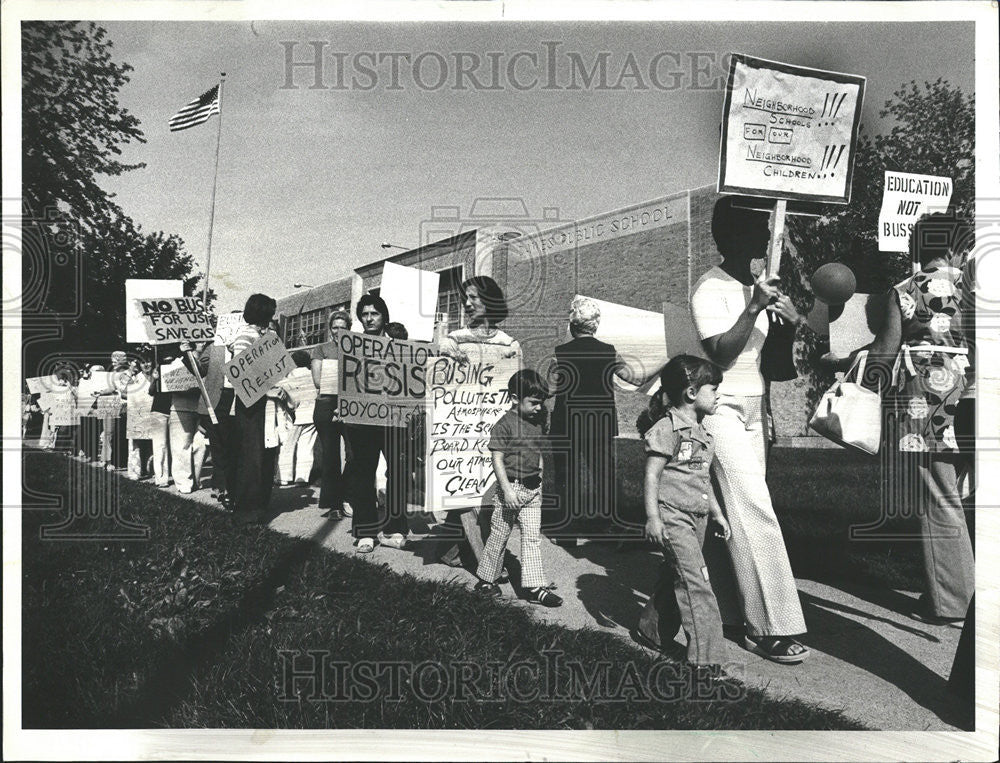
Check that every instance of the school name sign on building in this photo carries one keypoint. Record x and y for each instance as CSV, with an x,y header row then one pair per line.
x,y
905,197
789,132
258,368
168,320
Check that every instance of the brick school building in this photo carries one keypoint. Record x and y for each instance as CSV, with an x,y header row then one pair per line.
x,y
640,256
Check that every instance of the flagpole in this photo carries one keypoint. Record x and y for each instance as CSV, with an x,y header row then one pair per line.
x,y
215,182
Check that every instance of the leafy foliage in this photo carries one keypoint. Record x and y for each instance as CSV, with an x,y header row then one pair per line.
x,y
78,245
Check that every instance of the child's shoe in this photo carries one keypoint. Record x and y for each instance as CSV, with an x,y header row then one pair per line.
x,y
488,589
545,597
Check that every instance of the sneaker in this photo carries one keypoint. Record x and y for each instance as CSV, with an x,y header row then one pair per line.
x,y
545,597
348,511
365,545
396,540
185,490
488,589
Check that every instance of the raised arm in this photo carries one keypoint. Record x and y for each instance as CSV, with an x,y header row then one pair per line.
x,y
723,349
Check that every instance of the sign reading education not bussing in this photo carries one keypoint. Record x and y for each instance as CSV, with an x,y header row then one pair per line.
x,y
905,197
789,132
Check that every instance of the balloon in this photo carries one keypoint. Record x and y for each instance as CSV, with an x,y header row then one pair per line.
x,y
833,283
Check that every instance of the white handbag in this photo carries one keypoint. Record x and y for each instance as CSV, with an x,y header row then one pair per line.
x,y
849,414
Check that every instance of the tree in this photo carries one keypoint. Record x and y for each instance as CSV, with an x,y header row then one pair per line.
x,y
931,131
79,247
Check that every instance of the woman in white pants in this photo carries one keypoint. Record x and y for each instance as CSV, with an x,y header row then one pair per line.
x,y
730,309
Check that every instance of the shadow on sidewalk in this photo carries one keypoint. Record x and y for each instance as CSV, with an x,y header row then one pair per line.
x,y
861,646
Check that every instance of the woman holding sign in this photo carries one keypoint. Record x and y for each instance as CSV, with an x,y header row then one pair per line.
x,y
366,442
730,309
485,309
256,426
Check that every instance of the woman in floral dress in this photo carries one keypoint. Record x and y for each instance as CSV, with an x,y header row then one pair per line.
x,y
925,339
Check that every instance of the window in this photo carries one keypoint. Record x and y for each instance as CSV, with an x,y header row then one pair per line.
x,y
450,297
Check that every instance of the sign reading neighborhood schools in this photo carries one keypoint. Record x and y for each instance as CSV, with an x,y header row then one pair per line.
x,y
167,320
381,380
789,132
905,197
464,401
258,368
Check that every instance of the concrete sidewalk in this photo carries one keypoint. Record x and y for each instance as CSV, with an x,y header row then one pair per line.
x,y
869,659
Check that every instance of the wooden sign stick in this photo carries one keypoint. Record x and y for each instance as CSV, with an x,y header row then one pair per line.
x,y
777,237
201,386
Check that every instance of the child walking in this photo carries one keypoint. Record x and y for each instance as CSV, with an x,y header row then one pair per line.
x,y
679,500
515,444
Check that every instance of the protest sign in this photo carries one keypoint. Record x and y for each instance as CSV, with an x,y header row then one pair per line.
x,y
99,382
329,377
381,380
464,401
143,288
227,326
61,408
139,414
175,377
302,393
413,294
856,323
789,132
177,319
38,385
258,368
905,197
100,407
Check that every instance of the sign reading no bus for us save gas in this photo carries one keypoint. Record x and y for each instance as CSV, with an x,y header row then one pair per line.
x,y
175,319
789,132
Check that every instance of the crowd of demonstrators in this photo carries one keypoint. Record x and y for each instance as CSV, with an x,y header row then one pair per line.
x,y
705,435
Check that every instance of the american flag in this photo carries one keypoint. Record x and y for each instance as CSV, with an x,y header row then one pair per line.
x,y
196,112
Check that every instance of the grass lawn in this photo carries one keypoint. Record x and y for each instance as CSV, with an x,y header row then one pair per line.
x,y
200,625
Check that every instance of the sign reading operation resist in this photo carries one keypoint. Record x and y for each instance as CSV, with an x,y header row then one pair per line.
x,y
789,132
381,380
464,401
258,368
905,197
168,320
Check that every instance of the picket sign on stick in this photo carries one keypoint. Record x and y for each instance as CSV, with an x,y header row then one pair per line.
x,y
201,386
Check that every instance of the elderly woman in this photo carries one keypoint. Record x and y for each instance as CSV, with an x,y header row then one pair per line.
x,y
730,309
328,425
485,309
584,417
926,340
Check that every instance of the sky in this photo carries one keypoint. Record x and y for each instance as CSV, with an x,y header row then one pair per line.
x,y
312,180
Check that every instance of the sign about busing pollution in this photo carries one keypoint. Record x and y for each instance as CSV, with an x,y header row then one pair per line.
x,y
177,319
464,401
381,381
905,197
789,132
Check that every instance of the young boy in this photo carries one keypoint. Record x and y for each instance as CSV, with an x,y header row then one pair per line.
x,y
679,501
515,444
